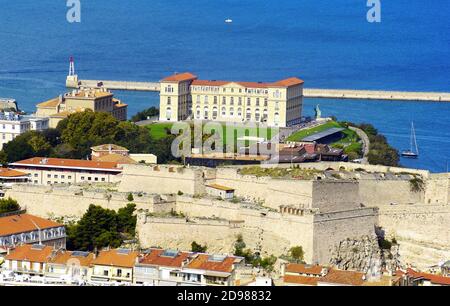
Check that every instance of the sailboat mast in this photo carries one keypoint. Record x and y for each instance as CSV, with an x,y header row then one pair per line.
x,y
413,137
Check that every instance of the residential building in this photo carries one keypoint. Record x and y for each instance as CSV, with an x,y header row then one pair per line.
x,y
73,266
13,125
210,270
410,277
10,176
29,259
97,100
315,275
21,229
183,96
107,149
114,266
157,267
49,171
120,155
302,274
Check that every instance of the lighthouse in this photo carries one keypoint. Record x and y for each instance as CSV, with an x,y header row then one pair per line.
x,y
72,78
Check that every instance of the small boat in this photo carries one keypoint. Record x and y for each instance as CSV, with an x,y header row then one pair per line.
x,y
411,153
228,20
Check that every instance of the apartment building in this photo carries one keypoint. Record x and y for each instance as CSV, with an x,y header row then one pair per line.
x,y
13,125
279,104
21,229
30,260
50,171
156,267
114,266
97,100
71,266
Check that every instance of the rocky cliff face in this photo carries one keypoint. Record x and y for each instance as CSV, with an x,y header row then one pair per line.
x,y
365,255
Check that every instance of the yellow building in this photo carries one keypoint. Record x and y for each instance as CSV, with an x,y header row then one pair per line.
x,y
183,97
97,100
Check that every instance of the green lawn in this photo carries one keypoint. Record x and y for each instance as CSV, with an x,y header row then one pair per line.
x,y
298,136
158,131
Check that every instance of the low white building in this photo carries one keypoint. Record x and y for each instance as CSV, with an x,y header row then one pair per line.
x,y
50,171
220,191
13,125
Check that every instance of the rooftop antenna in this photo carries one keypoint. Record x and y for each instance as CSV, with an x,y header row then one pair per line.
x,y
71,66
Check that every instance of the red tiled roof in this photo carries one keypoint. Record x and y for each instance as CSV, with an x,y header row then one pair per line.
x,y
288,82
203,262
66,163
24,223
433,278
65,257
180,77
28,253
9,173
340,277
283,83
301,280
113,258
155,258
304,269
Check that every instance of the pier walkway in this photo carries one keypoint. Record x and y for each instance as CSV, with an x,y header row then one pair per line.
x,y
307,92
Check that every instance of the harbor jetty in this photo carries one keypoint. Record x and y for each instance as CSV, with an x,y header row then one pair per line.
x,y
73,82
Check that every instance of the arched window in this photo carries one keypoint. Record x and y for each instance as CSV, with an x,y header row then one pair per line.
x,y
205,112
169,100
248,114
231,111
257,115
276,118
224,111
198,112
168,113
239,112
214,114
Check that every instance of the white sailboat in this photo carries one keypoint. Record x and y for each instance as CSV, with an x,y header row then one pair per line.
x,y
411,153
228,20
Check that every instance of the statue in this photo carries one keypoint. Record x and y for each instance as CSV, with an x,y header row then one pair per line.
x,y
318,112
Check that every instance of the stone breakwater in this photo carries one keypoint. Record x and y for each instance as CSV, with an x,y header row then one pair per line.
x,y
307,92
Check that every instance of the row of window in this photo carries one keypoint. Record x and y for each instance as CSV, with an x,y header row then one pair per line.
x,y
232,100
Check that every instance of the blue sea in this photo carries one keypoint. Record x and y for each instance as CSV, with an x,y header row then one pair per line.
x,y
329,44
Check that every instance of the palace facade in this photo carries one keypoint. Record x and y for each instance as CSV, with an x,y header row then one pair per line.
x,y
184,97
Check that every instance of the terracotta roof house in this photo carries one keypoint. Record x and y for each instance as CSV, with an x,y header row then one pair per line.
x,y
28,229
159,267
218,270
114,266
29,259
50,171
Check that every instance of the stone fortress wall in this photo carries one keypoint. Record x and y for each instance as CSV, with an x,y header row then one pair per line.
x,y
315,214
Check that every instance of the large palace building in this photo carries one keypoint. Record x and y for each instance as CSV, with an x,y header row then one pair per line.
x,y
183,97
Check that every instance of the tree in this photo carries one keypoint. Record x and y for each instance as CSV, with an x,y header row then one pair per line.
x,y
297,253
99,228
8,205
19,148
198,248
130,197
143,115
126,219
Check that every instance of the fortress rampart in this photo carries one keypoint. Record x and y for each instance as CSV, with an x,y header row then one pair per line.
x,y
272,214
